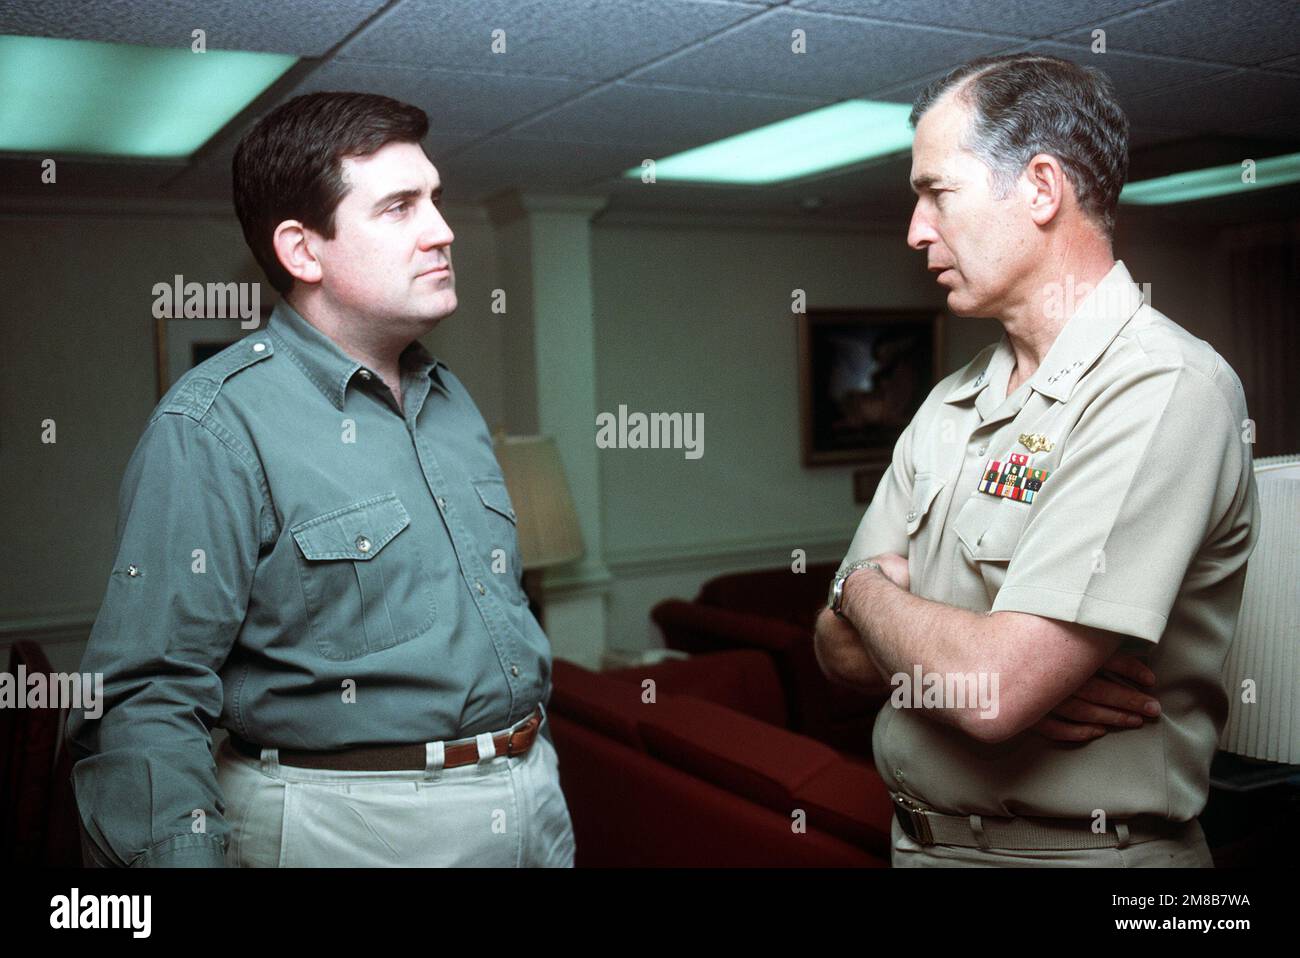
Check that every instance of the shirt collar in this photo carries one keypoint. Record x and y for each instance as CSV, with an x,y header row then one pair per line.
x,y
326,365
1096,322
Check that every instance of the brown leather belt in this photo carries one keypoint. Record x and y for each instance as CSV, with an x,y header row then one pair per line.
x,y
925,826
395,758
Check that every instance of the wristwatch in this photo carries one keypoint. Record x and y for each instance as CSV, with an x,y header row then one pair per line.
x,y
836,598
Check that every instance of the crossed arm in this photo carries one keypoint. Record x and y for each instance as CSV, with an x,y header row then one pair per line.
x,y
1047,669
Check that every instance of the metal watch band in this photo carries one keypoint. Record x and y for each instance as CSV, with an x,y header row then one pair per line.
x,y
837,587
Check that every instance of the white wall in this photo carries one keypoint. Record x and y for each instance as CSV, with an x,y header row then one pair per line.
x,y
698,320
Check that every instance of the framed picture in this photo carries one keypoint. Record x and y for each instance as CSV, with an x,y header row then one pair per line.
x,y
863,374
866,480
184,343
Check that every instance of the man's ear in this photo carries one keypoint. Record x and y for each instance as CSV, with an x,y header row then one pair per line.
x,y
293,250
1046,187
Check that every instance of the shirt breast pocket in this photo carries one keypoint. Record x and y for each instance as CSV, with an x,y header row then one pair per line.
x,y
502,542
990,527
362,578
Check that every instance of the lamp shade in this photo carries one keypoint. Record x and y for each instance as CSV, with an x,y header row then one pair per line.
x,y
1265,652
548,528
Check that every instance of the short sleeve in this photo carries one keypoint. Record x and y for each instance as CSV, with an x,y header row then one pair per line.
x,y
1149,470
884,525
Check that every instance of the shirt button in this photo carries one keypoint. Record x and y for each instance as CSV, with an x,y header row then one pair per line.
x,y
898,774
259,347
132,571
364,374
514,670
911,516
442,503
981,450
363,544
479,585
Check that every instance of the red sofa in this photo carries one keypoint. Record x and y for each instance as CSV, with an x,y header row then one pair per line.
x,y
707,774
774,610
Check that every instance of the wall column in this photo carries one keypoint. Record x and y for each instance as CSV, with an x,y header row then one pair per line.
x,y
549,352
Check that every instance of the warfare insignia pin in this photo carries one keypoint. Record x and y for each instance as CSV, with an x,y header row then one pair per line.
x,y
1036,442
1012,479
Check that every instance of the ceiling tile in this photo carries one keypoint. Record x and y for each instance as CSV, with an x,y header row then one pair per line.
x,y
1287,64
658,119
844,57
1228,103
1245,32
1141,137
301,27
599,39
515,163
1132,74
1026,18
457,101
1280,127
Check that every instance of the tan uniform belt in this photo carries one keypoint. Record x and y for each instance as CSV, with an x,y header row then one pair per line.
x,y
928,827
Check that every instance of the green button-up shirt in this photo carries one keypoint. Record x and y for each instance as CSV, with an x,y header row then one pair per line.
x,y
306,564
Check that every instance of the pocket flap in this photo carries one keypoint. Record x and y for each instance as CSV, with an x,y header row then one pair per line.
x,y
925,486
495,496
990,528
357,531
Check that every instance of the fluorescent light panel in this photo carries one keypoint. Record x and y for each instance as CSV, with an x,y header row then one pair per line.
x,y
1214,181
114,99
826,139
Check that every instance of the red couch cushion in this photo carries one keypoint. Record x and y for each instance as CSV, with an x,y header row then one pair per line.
x,y
849,799
744,680
630,809
597,701
764,763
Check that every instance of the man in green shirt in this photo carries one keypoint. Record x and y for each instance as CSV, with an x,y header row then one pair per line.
x,y
316,551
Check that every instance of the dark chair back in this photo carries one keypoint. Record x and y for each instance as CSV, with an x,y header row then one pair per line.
x,y
37,809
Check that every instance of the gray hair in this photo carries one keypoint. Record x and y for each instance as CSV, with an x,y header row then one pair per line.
x,y
1024,104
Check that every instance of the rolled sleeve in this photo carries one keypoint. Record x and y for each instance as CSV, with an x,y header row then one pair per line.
x,y
1149,471
883,527
188,540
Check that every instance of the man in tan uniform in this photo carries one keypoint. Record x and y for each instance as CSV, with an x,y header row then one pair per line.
x,y
1081,489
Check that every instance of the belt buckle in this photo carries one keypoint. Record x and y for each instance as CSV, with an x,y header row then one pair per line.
x,y
510,737
914,824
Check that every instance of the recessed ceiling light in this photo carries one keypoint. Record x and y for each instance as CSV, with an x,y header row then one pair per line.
x,y
826,139
1214,181
115,99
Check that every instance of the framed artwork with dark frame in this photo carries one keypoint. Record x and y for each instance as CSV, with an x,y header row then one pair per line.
x,y
184,343
863,374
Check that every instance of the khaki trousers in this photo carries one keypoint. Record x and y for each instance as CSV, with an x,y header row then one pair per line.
x,y
1183,849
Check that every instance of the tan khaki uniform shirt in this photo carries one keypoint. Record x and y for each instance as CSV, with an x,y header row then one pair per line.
x,y
1142,525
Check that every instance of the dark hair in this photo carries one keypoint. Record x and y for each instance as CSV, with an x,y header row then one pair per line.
x,y
1024,104
290,165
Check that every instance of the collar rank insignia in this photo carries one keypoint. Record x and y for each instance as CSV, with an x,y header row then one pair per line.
x,y
1036,442
1012,479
